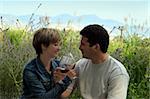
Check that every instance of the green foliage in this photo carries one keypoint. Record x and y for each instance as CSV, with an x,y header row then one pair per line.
x,y
134,53
70,43
16,50
13,55
15,36
136,58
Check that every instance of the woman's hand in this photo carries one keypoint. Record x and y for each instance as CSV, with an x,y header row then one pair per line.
x,y
58,75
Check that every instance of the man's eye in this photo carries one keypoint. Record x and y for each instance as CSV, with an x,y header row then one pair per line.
x,y
82,43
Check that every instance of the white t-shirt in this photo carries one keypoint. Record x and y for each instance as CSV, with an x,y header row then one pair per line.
x,y
107,80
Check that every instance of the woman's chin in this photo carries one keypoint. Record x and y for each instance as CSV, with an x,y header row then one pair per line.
x,y
55,55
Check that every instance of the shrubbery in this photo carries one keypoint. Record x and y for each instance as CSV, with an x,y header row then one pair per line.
x,y
16,49
134,53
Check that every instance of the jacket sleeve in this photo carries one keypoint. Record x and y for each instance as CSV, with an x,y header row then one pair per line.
x,y
37,89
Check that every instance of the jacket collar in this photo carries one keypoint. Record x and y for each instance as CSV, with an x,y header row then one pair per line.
x,y
41,67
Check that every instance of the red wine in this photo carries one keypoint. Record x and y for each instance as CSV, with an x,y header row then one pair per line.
x,y
64,71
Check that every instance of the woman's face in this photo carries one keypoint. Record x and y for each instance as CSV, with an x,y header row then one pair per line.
x,y
52,50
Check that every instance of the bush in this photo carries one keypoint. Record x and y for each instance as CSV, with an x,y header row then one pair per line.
x,y
136,58
134,53
70,43
16,50
14,54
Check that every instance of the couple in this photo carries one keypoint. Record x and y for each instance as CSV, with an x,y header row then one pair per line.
x,y
100,75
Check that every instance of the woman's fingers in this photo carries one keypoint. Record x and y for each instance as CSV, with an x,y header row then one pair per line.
x,y
58,76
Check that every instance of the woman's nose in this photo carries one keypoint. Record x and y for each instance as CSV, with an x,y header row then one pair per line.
x,y
59,47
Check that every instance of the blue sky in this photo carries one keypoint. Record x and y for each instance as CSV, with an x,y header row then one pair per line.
x,y
106,9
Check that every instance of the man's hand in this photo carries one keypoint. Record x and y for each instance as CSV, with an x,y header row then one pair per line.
x,y
71,74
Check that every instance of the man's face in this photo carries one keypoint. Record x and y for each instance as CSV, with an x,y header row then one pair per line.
x,y
85,47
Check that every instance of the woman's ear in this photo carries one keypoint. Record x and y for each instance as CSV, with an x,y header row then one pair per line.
x,y
43,47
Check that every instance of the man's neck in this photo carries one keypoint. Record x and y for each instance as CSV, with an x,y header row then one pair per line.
x,y
99,58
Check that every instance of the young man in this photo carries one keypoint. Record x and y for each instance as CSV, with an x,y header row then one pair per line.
x,y
100,75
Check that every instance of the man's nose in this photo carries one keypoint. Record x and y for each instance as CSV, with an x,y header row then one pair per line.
x,y
80,47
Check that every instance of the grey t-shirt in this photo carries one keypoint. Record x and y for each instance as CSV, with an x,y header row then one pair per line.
x,y
107,80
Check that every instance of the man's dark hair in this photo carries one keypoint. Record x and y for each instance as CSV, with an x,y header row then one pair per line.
x,y
45,36
96,34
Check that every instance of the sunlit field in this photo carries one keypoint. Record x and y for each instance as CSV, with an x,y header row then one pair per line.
x,y
132,49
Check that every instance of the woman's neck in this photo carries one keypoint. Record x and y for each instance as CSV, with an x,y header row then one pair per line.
x,y
46,61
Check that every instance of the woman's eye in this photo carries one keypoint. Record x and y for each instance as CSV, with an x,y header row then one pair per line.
x,y
56,44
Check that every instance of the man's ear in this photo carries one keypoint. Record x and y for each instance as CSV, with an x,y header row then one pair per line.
x,y
96,46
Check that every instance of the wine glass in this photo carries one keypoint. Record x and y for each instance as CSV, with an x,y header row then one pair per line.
x,y
67,63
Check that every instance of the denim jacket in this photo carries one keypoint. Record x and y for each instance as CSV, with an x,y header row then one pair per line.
x,y
38,83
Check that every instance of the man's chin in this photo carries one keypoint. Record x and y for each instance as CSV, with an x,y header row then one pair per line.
x,y
85,57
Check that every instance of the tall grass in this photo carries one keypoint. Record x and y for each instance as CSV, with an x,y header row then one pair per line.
x,y
14,53
135,55
16,50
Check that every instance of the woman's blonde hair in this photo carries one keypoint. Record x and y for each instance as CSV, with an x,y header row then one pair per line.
x,y
45,36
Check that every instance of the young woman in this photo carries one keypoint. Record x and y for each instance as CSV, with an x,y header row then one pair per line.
x,y
39,74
